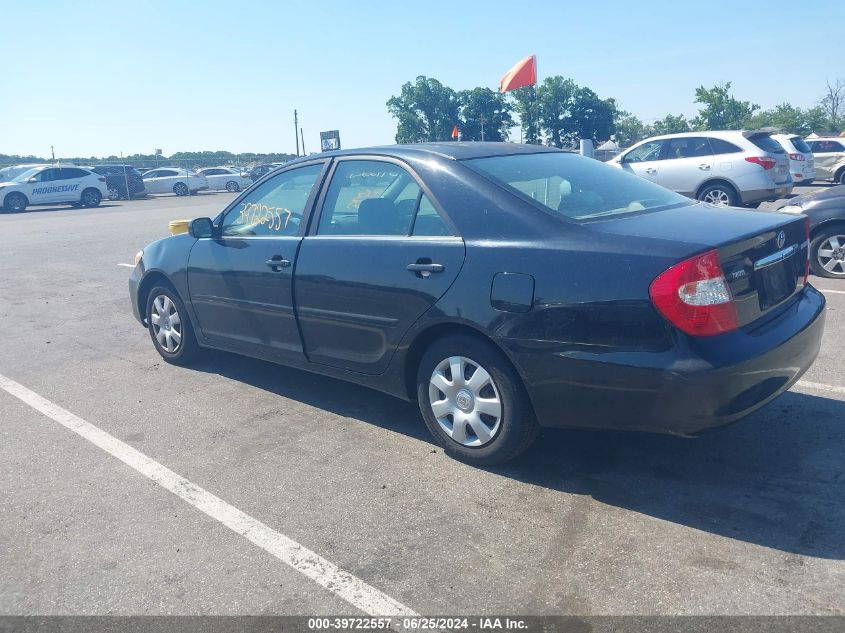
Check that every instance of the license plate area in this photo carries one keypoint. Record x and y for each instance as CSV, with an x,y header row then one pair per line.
x,y
776,282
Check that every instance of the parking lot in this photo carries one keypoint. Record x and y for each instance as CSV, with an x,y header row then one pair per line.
x,y
746,519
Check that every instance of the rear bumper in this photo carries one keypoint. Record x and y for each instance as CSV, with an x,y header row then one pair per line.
x,y
698,384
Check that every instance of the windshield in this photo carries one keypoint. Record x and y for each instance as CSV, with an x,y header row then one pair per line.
x,y
575,187
29,173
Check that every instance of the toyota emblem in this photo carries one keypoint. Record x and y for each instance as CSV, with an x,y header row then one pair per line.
x,y
780,240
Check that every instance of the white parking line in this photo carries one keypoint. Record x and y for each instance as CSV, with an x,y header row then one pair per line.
x,y
343,584
835,292
806,384
127,265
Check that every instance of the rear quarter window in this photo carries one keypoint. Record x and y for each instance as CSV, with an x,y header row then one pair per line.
x,y
721,146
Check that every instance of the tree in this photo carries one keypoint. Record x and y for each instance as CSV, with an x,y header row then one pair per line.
x,y
815,120
721,110
482,106
555,98
527,107
591,118
629,129
426,110
671,124
833,104
785,117
569,112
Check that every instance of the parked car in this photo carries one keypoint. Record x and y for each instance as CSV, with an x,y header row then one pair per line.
x,y
826,210
801,162
174,180
504,287
52,184
228,178
117,179
260,170
829,154
12,171
723,168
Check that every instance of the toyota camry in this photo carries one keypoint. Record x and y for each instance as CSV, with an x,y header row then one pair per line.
x,y
503,287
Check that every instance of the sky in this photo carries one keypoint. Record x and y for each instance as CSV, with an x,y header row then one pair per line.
x,y
100,78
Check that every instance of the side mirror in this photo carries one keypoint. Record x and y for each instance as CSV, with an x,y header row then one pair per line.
x,y
202,227
32,180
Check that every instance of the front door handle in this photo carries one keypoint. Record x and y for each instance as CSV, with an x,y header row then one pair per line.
x,y
277,262
651,170
704,167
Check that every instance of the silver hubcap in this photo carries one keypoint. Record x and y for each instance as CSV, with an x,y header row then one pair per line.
x,y
718,197
167,325
465,401
114,194
831,254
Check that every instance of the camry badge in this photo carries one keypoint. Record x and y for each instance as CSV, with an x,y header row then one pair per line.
x,y
781,239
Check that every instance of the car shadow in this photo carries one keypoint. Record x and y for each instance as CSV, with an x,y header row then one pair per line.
x,y
47,208
775,479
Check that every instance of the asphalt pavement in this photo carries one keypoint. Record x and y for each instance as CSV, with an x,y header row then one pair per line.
x,y
742,520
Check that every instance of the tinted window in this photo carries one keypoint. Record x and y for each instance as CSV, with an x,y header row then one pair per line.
x,y
428,222
767,144
48,175
163,173
151,174
645,152
274,208
827,146
800,144
369,198
721,146
685,147
573,186
72,172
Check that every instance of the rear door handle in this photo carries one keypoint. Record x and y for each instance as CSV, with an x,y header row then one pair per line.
x,y
704,167
277,262
651,170
424,270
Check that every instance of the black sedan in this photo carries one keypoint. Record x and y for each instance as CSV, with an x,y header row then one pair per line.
x,y
826,210
124,182
504,287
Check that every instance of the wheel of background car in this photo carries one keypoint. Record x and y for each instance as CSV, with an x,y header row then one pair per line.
x,y
180,189
14,203
473,401
718,195
91,198
842,176
169,327
827,253
114,194
232,186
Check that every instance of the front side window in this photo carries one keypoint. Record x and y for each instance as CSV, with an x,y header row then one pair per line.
x,y
48,175
368,197
575,187
274,208
645,152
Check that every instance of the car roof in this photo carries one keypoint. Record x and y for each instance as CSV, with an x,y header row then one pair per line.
x,y
828,138
456,150
724,134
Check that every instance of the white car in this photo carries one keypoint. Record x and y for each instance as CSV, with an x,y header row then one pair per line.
x,y
726,168
174,180
51,184
801,163
228,178
12,171
829,154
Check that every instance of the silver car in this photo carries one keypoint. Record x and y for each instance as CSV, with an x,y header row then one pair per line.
x,y
801,161
727,168
829,154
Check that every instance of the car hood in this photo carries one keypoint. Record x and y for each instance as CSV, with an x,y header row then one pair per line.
x,y
830,196
8,183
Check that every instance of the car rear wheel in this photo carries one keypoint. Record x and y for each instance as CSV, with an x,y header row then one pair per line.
x,y
14,203
473,401
719,195
91,198
170,328
232,186
827,253
841,177
180,189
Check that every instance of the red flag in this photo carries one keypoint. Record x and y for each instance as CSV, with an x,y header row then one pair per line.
x,y
524,73
455,132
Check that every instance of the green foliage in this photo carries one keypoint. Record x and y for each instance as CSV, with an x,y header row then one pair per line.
x,y
569,112
193,159
722,111
483,106
670,124
526,105
426,110
629,129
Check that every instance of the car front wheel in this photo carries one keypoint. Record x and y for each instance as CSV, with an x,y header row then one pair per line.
x,y
170,327
14,203
827,253
473,401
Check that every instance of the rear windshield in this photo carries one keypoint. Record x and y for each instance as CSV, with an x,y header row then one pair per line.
x,y
801,145
767,144
575,187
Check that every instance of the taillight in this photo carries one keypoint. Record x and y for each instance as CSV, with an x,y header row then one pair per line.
x,y
796,157
807,264
764,161
694,296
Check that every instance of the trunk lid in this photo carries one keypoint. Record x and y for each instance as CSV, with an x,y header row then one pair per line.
x,y
768,146
763,254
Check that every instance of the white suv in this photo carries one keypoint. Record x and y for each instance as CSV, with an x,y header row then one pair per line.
x,y
829,155
725,168
801,161
51,184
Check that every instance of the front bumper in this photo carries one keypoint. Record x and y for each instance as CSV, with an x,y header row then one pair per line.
x,y
698,384
134,283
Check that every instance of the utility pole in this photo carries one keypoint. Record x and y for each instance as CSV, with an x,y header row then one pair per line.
x,y
53,153
302,134
482,127
296,130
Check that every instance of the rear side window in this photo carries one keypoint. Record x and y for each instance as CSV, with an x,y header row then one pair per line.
x,y
721,146
685,147
800,144
71,172
767,143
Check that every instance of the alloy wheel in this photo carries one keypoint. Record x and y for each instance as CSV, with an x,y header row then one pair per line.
x,y
465,401
166,323
717,197
831,255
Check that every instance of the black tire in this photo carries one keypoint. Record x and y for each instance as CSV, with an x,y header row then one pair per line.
x,y
181,189
14,203
188,350
841,176
837,256
232,186
716,191
91,198
517,427
115,194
